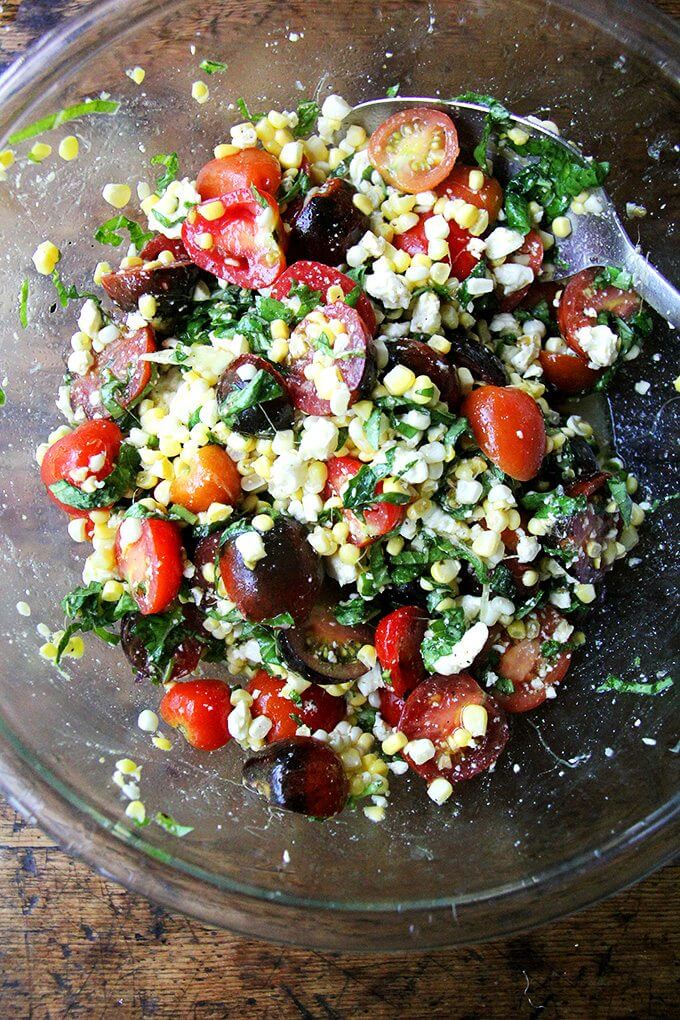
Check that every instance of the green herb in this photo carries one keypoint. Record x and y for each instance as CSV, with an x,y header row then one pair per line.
x,y
259,197
110,391
392,91
441,637
68,293
457,428
3,397
504,686
463,295
366,718
355,610
161,634
171,163
309,299
115,485
168,823
663,500
502,582
212,66
376,576
531,603
270,309
107,233
360,491
234,529
261,388
631,332
497,117
298,187
180,513
615,683
539,311
308,114
553,504
54,120
617,487
280,621
295,697
372,789
373,426
86,611
551,649
610,276
246,114
23,303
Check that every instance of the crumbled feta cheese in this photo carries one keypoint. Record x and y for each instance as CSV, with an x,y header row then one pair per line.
x,y
502,242
251,547
319,439
426,316
389,288
642,387
513,277
465,651
477,285
528,548
600,344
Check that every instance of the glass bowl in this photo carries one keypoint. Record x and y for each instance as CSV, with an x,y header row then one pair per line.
x,y
584,801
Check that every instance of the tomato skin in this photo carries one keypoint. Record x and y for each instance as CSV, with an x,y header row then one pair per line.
x,y
74,451
533,250
568,373
393,153
319,709
122,358
461,259
211,477
580,294
246,250
199,709
320,277
151,564
240,170
391,706
378,521
398,637
496,415
434,711
522,662
159,243
457,185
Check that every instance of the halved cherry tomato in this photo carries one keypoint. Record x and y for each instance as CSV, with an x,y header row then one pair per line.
x,y
353,364
149,558
530,671
159,243
568,373
435,711
322,649
122,360
82,449
379,520
209,477
580,296
319,709
243,244
391,706
508,425
414,150
457,185
589,486
244,169
461,259
319,277
398,638
199,709
531,255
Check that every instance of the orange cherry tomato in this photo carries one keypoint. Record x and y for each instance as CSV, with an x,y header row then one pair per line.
x,y
414,150
568,373
319,710
240,170
82,449
457,185
398,638
509,428
149,558
379,520
211,477
531,671
200,710
580,295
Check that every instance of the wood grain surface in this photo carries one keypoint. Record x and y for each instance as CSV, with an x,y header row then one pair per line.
x,y
73,944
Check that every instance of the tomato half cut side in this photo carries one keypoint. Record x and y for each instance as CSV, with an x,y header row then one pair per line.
x,y
508,425
209,477
320,277
122,359
398,638
149,558
315,707
200,709
531,255
159,243
581,296
465,743
568,373
323,650
531,671
249,167
391,706
457,185
243,245
91,450
378,520
414,150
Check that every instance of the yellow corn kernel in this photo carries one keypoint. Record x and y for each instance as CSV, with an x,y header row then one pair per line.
x,y
317,475
395,545
278,351
422,260
637,515
277,120
45,257
291,155
349,554
444,571
68,148
399,380
355,136
283,137
439,344
39,152
424,390
480,224
200,92
205,241
395,743
162,743
279,329
363,203
585,593
440,273
101,269
340,532
225,149
517,629
335,294
212,210
148,306
136,811
530,577
518,136
117,195
418,509
131,262
6,159
402,260
476,180
136,74
561,227
438,249
112,591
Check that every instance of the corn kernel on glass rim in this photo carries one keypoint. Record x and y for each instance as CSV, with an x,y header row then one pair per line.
x,y
82,828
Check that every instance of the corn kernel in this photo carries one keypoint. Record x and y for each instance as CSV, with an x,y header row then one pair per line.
x,y
278,352
402,260
212,210
112,591
136,811
279,329
68,148
205,240
101,269
399,380
363,203
291,155
200,92
561,227
439,790
136,74
476,180
422,260
395,743
45,257
530,577
395,545
39,152
440,274
487,544
355,136
117,195
147,306
6,159
349,554
374,813
224,150
518,136
444,571
340,532
585,593
439,344
283,137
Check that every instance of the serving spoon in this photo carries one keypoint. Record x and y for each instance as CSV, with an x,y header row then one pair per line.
x,y
596,239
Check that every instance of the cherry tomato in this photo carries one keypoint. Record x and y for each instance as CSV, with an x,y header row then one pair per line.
x,y
319,277
249,167
531,255
398,638
353,368
414,150
261,419
391,706
436,711
319,709
568,373
323,650
457,185
580,295
82,449
379,520
589,486
243,244
159,243
199,709
122,360
209,477
460,258
509,428
299,774
328,223
149,557
184,659
423,360
531,672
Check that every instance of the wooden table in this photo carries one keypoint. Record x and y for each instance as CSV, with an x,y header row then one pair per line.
x,y
72,944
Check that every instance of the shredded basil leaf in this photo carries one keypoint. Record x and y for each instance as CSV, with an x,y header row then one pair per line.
x,y
355,610
298,187
261,388
168,823
615,683
23,303
212,66
308,113
54,120
610,276
441,636
245,112
107,233
617,487
171,163
392,91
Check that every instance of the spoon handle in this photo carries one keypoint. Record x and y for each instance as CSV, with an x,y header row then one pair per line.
x,y
652,286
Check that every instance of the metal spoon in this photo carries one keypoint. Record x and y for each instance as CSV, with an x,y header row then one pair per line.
x,y
595,240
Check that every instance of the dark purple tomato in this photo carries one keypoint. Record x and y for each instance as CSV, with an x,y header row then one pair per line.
x,y
575,535
172,285
271,413
288,579
479,360
299,774
207,552
185,657
323,650
423,360
327,225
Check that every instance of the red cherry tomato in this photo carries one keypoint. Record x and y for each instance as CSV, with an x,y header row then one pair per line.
x,y
414,150
211,477
159,243
568,373
319,709
149,557
379,520
122,360
391,706
461,259
249,167
319,277
530,254
509,428
353,368
199,709
435,711
85,446
589,486
542,290
580,295
244,243
398,638
457,185
530,671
